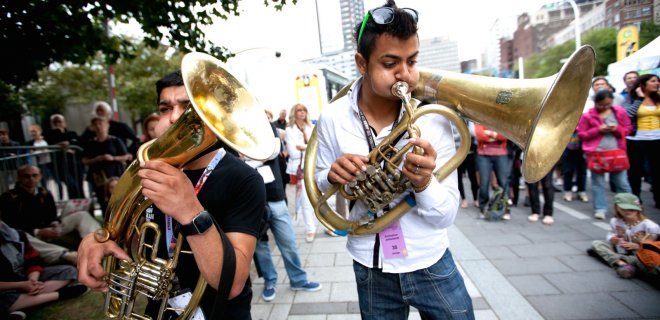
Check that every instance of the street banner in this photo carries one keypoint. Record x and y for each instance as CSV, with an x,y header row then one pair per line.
x,y
627,42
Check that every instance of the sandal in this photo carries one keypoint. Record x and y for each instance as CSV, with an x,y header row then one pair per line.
x,y
548,220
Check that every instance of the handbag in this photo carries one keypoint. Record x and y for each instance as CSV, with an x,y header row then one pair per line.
x,y
608,161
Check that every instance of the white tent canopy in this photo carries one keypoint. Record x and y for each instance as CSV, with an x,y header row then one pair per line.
x,y
645,60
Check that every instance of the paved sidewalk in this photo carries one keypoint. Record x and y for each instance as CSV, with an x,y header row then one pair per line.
x,y
513,270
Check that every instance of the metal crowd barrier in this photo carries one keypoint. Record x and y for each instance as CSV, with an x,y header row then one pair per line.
x,y
61,169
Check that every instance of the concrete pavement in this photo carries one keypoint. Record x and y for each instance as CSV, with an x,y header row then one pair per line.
x,y
512,269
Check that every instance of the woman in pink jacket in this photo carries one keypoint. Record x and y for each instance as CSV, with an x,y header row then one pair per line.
x,y
604,127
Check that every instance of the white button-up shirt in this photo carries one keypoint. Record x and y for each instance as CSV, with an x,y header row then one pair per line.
x,y
340,131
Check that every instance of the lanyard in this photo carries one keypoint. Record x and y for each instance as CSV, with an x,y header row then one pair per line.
x,y
169,224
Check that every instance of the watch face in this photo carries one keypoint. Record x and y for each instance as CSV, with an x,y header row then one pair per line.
x,y
200,224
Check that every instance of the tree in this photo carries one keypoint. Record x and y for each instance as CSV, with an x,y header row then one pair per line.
x,y
37,33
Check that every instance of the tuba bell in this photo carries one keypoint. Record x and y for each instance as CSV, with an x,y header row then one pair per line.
x,y
539,115
221,110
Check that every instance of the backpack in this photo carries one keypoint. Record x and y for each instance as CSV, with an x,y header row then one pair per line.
x,y
497,205
649,253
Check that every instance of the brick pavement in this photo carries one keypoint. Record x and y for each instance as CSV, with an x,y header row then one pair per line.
x,y
513,270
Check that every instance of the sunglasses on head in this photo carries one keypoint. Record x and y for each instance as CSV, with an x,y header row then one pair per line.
x,y
383,15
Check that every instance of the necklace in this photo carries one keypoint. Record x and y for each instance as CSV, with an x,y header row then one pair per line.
x,y
631,225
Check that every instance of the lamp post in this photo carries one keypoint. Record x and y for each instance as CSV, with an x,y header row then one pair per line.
x,y
576,12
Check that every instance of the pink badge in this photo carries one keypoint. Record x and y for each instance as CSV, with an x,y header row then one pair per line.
x,y
392,242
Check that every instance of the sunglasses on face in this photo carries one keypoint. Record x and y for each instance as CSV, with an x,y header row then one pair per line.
x,y
383,15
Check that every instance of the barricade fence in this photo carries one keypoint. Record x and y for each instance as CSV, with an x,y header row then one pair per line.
x,y
62,171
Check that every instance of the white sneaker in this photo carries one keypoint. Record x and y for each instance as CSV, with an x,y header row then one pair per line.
x,y
599,215
568,196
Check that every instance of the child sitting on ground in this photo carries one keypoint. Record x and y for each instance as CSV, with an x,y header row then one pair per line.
x,y
628,228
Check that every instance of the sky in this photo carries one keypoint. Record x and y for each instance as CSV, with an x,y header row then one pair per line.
x,y
294,29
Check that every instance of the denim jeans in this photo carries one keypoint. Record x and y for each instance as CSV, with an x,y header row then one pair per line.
x,y
438,292
486,164
285,238
620,181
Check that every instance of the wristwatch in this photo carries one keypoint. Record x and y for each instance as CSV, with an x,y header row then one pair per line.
x,y
199,225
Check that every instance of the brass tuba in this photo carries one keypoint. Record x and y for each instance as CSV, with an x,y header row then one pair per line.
x,y
539,115
221,108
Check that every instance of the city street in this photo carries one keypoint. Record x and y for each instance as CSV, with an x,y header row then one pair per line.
x,y
513,270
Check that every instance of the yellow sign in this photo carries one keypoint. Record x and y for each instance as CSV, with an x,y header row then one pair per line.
x,y
627,42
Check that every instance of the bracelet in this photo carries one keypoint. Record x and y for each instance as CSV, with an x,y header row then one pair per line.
x,y
422,188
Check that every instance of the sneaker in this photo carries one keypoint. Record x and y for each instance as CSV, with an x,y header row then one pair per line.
x,y
533,217
626,271
548,220
482,215
310,236
269,293
309,286
506,216
599,215
17,315
583,196
70,257
568,196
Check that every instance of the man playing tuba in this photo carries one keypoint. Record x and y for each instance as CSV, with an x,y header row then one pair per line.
x,y
411,257
231,192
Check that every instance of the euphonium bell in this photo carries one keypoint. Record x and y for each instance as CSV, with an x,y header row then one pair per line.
x,y
221,110
539,115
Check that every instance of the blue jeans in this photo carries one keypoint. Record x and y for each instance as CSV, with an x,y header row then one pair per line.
x,y
438,292
486,164
285,238
620,181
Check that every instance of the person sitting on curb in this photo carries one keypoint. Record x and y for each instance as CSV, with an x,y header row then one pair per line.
x,y
24,282
32,209
628,228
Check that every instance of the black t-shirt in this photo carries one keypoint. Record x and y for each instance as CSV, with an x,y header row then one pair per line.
x,y
235,196
112,146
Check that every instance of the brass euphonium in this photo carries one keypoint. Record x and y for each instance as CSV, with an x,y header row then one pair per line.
x,y
221,109
539,115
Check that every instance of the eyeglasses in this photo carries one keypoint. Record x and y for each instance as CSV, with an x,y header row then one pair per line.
x,y
383,15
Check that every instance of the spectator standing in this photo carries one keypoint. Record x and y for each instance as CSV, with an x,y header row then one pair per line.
x,y
468,166
644,143
281,125
598,83
629,79
492,155
548,198
41,157
298,132
105,156
628,228
574,168
281,228
117,129
604,128
68,165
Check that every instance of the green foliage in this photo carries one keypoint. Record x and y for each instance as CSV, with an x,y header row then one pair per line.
x,y
648,31
549,62
11,105
37,33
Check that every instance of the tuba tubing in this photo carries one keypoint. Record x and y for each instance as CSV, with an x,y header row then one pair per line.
x,y
539,115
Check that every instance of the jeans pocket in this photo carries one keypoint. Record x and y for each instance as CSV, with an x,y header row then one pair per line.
x,y
362,273
448,285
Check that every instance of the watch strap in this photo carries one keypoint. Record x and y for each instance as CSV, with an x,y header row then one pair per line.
x,y
199,224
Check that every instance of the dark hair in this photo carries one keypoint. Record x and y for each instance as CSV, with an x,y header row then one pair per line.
x,y
640,82
602,94
629,72
173,79
403,27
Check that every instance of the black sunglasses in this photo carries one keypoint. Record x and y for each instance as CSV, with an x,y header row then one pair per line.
x,y
383,15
